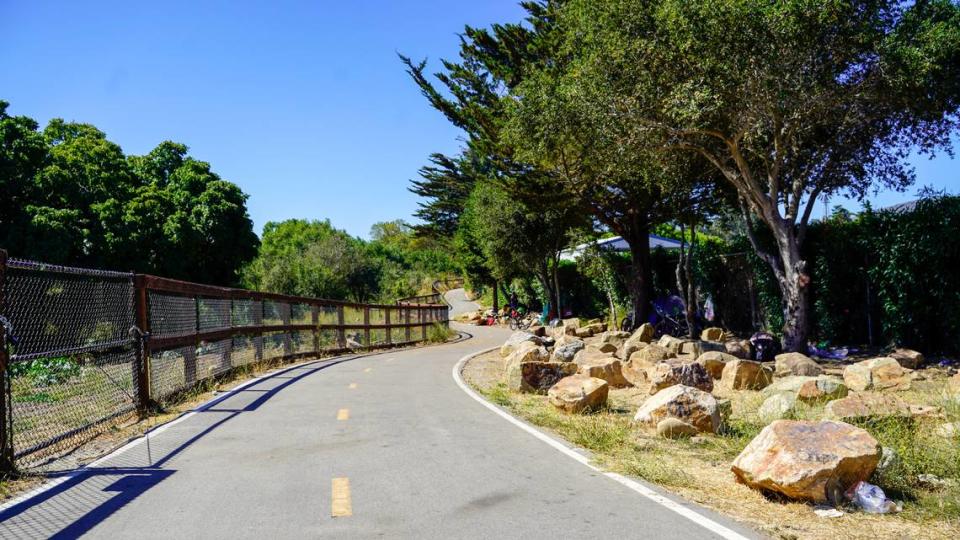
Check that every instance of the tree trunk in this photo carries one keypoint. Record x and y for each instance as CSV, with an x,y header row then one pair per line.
x,y
496,295
791,273
691,296
556,283
640,284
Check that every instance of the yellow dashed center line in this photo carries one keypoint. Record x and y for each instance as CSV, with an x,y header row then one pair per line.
x,y
353,386
341,505
343,414
368,370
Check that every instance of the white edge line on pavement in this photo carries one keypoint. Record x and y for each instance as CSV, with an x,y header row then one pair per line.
x,y
47,486
695,517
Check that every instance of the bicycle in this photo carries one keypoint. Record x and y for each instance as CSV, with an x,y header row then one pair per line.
x,y
518,320
669,318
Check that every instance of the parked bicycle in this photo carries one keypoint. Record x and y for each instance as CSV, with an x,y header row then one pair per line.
x,y
668,317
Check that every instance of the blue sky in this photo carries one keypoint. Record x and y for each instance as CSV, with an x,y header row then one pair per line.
x,y
303,104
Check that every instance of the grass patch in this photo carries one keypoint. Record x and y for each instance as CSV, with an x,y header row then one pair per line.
x,y
699,469
440,333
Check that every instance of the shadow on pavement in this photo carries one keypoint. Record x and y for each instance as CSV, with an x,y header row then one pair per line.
x,y
87,496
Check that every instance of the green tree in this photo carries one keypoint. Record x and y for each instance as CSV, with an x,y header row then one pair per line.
x,y
788,100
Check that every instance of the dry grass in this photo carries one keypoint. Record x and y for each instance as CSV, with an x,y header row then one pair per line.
x,y
699,469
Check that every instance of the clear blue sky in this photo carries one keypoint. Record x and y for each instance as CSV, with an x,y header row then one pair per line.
x,y
303,104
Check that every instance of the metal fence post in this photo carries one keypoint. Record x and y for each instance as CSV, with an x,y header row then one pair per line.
x,y
142,363
7,463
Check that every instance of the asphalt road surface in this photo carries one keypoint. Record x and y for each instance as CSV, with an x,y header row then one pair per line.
x,y
379,446
457,298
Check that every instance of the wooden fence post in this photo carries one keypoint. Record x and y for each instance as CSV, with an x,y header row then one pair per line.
x,y
7,462
142,363
386,321
258,322
190,352
341,331
285,309
315,321
366,324
406,322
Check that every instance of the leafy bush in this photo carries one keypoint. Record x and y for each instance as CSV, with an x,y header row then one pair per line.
x,y
47,371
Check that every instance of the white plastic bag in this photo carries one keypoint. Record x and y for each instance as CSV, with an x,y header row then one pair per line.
x,y
871,499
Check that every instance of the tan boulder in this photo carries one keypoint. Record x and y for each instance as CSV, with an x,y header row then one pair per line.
x,y
712,334
616,338
821,389
515,340
651,355
670,343
809,389
809,461
644,333
602,366
602,348
740,348
566,349
527,352
777,406
869,406
714,362
666,374
695,407
794,363
537,377
538,330
590,330
578,393
907,358
876,374
629,347
745,375
674,428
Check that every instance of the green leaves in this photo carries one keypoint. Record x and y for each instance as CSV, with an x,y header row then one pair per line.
x,y
70,196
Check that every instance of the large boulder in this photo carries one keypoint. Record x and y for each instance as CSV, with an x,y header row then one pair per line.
x,y
644,333
712,334
876,374
602,348
777,406
674,428
578,393
794,363
538,330
616,338
874,406
651,355
591,330
537,377
809,389
667,374
670,343
714,362
527,352
695,407
514,341
741,348
745,375
602,366
566,349
907,358
809,461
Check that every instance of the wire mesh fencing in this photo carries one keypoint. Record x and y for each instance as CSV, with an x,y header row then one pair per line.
x,y
83,349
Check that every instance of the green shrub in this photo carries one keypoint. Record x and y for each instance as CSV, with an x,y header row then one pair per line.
x,y
47,371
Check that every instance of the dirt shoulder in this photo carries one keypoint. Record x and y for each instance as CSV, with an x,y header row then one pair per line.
x,y
698,469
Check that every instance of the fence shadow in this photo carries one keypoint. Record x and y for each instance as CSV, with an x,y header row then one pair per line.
x,y
79,499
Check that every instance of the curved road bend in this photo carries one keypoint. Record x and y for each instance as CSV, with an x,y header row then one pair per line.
x,y
422,459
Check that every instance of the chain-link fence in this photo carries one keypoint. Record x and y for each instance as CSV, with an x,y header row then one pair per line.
x,y
85,348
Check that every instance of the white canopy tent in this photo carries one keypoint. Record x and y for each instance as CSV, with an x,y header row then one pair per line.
x,y
617,243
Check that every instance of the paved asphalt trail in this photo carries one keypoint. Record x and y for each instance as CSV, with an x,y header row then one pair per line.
x,y
423,459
